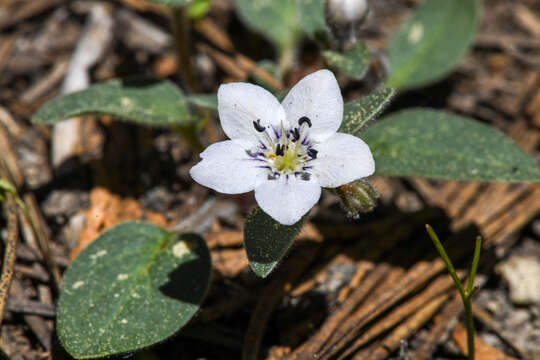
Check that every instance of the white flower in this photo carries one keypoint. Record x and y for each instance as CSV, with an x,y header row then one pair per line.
x,y
285,152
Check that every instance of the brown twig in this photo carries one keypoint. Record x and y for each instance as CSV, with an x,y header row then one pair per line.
x,y
415,322
273,293
436,289
315,343
444,322
10,211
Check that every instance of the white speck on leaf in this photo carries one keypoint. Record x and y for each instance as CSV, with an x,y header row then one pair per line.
x,y
78,284
122,277
416,33
124,321
180,249
126,102
98,254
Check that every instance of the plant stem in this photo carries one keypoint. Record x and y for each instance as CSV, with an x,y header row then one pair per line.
x,y
469,322
466,294
474,266
181,31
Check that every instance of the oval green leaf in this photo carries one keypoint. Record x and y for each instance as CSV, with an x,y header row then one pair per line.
x,y
148,102
354,62
432,41
204,101
435,144
275,19
357,114
267,241
134,286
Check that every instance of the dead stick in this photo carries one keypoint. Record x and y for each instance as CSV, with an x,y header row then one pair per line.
x,y
313,345
10,211
443,324
273,294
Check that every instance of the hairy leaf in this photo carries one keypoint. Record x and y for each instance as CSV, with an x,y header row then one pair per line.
x,y
354,62
148,102
432,41
357,114
205,101
429,143
267,241
134,286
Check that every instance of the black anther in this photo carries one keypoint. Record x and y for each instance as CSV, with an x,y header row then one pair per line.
x,y
304,119
312,153
280,150
257,125
296,134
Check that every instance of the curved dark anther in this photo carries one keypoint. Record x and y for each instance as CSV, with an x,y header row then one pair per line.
x,y
296,134
257,125
304,119
312,153
280,150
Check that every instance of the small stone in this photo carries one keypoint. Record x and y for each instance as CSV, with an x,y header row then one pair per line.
x,y
522,274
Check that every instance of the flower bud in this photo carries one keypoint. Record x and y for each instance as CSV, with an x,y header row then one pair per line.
x,y
358,197
345,17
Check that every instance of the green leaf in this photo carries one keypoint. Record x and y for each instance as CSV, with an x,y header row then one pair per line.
x,y
205,101
276,19
267,241
429,143
6,186
312,17
155,103
354,62
134,286
171,2
356,114
199,8
432,41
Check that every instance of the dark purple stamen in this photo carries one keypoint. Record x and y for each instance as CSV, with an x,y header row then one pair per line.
x,y
304,119
257,125
307,167
305,142
278,135
280,150
296,134
312,153
262,145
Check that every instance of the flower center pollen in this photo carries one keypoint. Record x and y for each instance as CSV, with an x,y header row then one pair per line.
x,y
285,151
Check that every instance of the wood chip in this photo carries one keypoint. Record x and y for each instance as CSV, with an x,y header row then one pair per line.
x,y
482,351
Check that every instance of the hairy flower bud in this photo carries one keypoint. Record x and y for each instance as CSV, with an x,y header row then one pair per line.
x,y
345,17
358,197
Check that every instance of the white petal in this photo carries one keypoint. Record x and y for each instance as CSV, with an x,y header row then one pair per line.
x,y
240,104
341,159
318,97
227,168
287,200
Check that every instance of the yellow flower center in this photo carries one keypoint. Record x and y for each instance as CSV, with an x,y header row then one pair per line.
x,y
289,161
